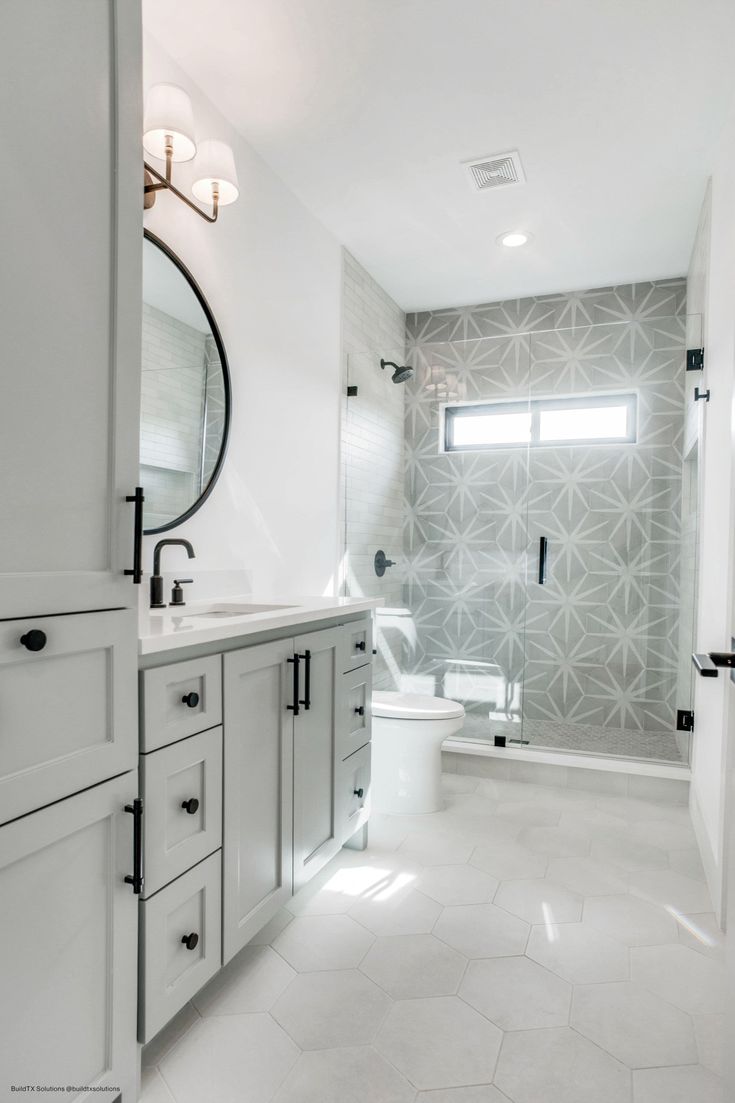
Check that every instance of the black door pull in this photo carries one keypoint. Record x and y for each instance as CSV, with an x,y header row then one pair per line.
x,y
35,640
360,710
191,805
543,547
359,793
294,708
191,941
136,879
191,700
306,699
137,568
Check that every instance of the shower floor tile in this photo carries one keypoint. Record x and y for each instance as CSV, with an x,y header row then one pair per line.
x,y
557,735
444,983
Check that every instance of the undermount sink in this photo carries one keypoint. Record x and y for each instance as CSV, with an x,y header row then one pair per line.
x,y
223,610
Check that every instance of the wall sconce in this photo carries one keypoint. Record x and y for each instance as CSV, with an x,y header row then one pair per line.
x,y
168,134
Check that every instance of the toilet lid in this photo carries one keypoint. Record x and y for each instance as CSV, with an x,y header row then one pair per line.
x,y
415,706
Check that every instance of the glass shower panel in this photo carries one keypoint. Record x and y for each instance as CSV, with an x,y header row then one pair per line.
x,y
608,616
465,537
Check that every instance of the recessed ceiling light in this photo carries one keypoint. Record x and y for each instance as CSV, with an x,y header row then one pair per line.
x,y
513,238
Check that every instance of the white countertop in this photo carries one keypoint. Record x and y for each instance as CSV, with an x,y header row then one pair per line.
x,y
168,629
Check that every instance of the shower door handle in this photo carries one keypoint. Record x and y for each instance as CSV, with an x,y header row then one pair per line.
x,y
543,546
708,665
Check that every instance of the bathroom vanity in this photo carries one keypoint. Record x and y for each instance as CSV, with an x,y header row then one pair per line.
x,y
254,772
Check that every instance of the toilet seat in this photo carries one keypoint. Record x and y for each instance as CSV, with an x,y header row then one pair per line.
x,y
415,706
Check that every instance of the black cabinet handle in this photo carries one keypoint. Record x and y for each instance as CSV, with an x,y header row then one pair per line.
x,y
543,548
191,941
306,700
191,805
360,710
294,708
359,792
360,645
191,700
137,569
136,879
35,640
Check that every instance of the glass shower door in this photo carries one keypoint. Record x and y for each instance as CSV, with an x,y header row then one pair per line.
x,y
606,615
465,537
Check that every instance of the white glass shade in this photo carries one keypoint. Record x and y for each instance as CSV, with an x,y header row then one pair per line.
x,y
168,112
215,164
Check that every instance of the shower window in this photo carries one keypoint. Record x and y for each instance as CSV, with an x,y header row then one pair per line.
x,y
576,419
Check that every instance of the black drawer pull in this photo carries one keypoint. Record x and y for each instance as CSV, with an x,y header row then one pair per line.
x,y
294,708
191,941
136,879
360,710
360,645
306,699
191,700
359,792
191,805
35,640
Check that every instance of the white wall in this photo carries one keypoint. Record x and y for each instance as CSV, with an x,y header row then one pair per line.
x,y
712,290
373,328
271,274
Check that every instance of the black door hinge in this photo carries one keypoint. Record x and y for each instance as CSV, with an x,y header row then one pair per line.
x,y
695,359
701,395
684,720
352,392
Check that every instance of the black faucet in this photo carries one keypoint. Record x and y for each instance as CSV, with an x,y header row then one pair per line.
x,y
157,601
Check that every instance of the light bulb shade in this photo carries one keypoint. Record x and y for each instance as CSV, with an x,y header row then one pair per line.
x,y
215,165
168,113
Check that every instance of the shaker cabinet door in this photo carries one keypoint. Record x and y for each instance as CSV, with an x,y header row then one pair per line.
x,y
68,952
68,706
258,789
70,288
316,753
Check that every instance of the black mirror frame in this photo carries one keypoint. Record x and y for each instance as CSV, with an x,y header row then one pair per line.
x,y
148,236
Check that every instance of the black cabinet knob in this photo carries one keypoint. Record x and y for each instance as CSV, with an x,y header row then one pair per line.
x,y
191,805
35,640
191,941
360,645
359,793
360,710
191,700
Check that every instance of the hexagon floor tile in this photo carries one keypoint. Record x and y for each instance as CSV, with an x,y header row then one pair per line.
x,y
230,1058
439,1043
630,920
414,965
578,953
559,1066
397,912
539,901
323,1010
633,1025
482,1093
689,980
482,930
314,942
252,981
463,884
345,1075
688,1084
517,994
507,860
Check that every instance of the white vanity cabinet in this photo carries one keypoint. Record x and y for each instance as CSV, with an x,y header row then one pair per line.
x,y
282,729
68,945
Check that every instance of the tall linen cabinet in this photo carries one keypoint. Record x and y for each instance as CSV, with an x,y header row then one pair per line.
x,y
70,281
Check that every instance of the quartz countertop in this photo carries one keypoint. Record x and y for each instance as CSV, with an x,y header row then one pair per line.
x,y
210,621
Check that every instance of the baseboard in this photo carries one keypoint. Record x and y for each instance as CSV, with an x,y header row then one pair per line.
x,y
712,870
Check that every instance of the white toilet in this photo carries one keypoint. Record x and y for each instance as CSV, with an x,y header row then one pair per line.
x,y
408,732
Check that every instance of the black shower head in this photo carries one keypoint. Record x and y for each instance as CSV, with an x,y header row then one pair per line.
x,y
401,372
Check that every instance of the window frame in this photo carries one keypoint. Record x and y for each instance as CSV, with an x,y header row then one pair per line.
x,y
450,411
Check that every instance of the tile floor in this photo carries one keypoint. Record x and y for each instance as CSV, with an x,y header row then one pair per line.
x,y
526,944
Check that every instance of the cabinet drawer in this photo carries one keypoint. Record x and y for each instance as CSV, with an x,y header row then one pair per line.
x,y
353,792
357,644
170,972
67,709
354,694
179,700
177,837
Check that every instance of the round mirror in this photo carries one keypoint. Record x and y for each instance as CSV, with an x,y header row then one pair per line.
x,y
185,392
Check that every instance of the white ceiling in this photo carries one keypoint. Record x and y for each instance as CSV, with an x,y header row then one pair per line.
x,y
366,108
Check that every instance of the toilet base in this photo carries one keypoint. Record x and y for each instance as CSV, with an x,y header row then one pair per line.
x,y
406,764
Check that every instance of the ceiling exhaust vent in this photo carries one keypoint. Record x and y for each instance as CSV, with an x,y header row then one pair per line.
x,y
497,171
